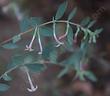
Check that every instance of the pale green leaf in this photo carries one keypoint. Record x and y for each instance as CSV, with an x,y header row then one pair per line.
x,y
90,76
63,72
10,46
72,14
85,21
70,36
98,31
25,24
35,21
84,45
47,49
7,77
53,56
74,59
16,38
91,24
3,87
81,77
46,31
61,10
16,61
36,67
80,74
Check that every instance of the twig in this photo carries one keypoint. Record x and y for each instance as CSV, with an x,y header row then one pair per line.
x,y
23,33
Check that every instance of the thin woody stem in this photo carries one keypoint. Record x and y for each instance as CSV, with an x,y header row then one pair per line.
x,y
54,33
20,65
78,29
33,38
40,44
60,21
32,86
29,78
29,48
67,30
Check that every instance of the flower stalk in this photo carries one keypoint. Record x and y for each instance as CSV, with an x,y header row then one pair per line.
x,y
32,89
29,48
54,33
40,44
67,30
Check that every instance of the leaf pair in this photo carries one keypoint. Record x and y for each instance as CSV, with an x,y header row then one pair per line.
x,y
61,10
88,74
86,22
28,23
4,87
25,60
12,44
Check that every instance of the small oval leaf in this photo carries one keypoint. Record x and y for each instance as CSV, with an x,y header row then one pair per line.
x,y
6,77
70,36
90,76
46,31
10,46
98,31
91,24
24,24
3,87
36,67
85,21
35,20
61,10
16,38
72,14
53,56
63,72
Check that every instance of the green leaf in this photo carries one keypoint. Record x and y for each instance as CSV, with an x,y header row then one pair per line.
x,y
3,87
74,59
35,20
91,24
80,74
84,45
20,60
90,76
28,59
72,14
25,24
47,50
63,72
85,21
36,67
16,38
61,10
53,56
10,46
6,77
46,31
16,61
70,36
81,77
86,34
98,31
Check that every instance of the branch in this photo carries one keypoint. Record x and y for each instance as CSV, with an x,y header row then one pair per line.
x,y
42,62
60,21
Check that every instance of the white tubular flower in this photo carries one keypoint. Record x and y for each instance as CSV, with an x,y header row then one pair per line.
x,y
78,29
29,47
55,37
40,44
67,30
32,88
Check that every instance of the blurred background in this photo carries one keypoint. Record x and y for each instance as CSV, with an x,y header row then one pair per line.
x,y
12,11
